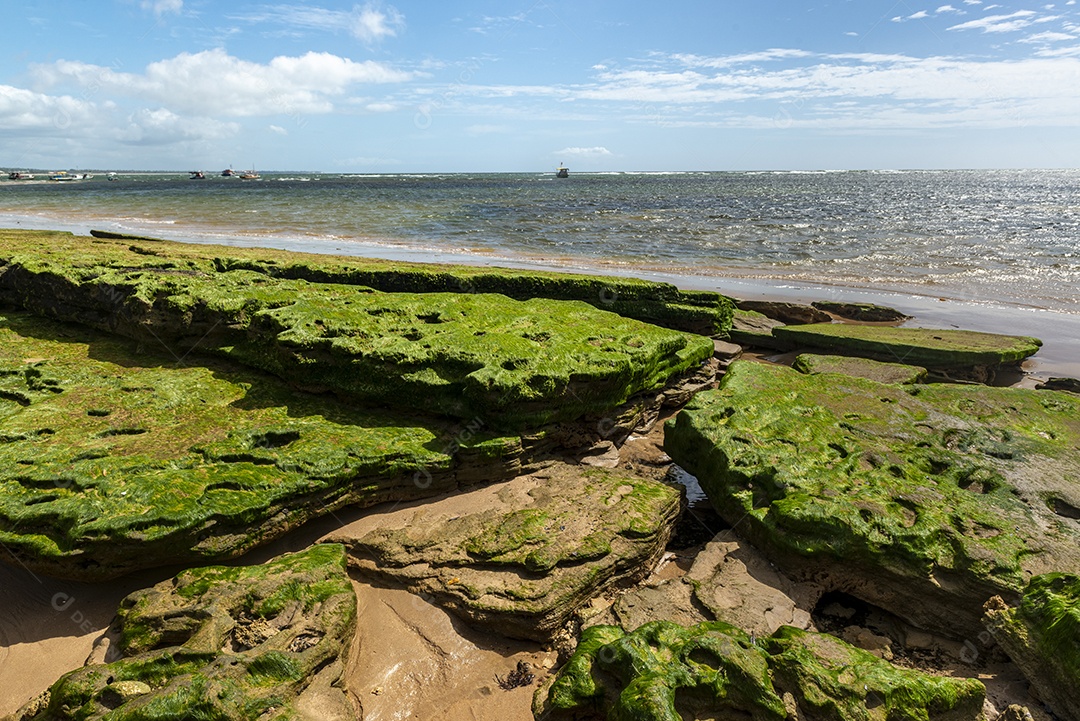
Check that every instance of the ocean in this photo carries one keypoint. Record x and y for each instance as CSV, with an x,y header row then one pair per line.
x,y
997,238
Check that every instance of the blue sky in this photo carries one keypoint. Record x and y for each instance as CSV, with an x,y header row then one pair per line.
x,y
479,85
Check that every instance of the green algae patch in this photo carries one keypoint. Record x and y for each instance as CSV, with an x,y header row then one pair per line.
x,y
511,363
525,555
112,460
1042,636
861,367
666,672
197,646
928,348
925,500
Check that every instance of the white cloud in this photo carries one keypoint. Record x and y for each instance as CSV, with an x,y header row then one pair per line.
x,y
277,129
25,110
215,83
163,127
1047,37
593,152
999,23
948,9
161,7
944,90
368,23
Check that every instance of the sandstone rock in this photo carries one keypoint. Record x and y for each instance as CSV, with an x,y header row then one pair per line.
x,y
1042,636
957,351
789,313
111,461
181,658
922,500
666,672
522,557
859,367
1072,385
862,312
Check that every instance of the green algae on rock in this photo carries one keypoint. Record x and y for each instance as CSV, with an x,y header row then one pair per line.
x,y
666,672
527,554
1042,636
238,643
929,348
925,500
472,356
112,461
654,302
861,367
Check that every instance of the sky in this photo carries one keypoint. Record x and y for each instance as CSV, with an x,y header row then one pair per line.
x,y
509,85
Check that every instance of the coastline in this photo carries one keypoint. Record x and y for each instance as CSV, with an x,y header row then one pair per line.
x,y
56,623
1059,330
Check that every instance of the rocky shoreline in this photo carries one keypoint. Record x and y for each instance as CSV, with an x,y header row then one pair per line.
x,y
889,534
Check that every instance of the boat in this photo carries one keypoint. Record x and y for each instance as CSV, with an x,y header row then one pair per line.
x,y
562,171
65,177
112,176
228,173
19,175
250,175
196,175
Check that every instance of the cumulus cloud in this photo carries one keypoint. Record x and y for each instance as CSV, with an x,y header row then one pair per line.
x,y
25,110
213,82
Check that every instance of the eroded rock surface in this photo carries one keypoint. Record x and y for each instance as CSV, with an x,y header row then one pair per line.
x,y
962,352
666,672
512,363
1042,636
222,642
521,557
860,367
112,461
923,500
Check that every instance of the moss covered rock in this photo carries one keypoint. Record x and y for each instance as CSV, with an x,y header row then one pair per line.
x,y
522,557
231,643
666,672
468,355
925,500
948,350
1042,635
112,461
860,367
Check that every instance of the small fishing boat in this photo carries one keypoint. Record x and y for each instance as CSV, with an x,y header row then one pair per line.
x,y
228,173
19,175
65,177
562,171
196,175
250,175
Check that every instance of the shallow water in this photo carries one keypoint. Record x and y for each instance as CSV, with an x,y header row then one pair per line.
x,y
1005,237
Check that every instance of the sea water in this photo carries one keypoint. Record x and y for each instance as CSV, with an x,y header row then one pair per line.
x,y
1009,236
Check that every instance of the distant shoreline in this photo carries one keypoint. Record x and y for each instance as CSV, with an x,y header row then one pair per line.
x,y
1059,331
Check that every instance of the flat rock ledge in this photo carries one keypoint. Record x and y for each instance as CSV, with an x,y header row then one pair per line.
x,y
961,354
508,363
666,672
112,461
860,367
924,500
521,557
1042,636
221,642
